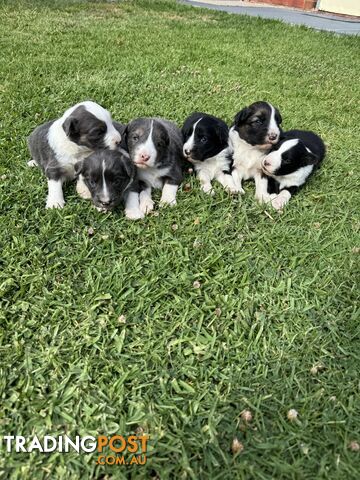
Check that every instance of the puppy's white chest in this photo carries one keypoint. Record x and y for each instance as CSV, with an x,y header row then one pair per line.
x,y
210,167
248,161
152,176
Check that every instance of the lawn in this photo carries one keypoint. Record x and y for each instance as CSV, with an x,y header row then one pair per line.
x,y
107,333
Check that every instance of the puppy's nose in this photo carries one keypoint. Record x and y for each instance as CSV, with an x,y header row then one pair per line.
x,y
145,157
105,203
266,163
273,136
187,152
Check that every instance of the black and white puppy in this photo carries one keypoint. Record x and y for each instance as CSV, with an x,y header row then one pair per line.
x,y
155,147
206,146
109,178
291,163
256,129
57,145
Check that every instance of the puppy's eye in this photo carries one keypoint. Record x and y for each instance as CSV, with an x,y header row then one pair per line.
x,y
92,182
258,121
285,158
98,132
135,138
203,139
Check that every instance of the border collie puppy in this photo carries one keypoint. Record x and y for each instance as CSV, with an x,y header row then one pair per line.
x,y
109,177
155,147
206,146
57,145
291,163
256,129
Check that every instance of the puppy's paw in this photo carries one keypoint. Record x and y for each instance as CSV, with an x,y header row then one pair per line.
x,y
238,185
263,198
235,190
83,190
167,203
207,189
279,201
55,203
32,163
101,209
134,214
146,204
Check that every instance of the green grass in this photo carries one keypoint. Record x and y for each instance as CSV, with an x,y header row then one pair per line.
x,y
287,285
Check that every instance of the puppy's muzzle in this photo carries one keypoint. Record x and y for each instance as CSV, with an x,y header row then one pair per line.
x,y
266,166
273,138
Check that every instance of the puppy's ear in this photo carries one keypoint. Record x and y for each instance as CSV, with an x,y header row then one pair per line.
x,y
186,131
130,168
223,133
78,167
120,128
311,158
242,116
189,123
124,135
164,138
71,126
278,117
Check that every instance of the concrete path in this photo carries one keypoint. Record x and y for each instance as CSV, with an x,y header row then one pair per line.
x,y
318,21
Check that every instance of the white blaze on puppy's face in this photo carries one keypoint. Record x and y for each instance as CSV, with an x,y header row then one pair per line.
x,y
104,197
146,153
189,144
272,162
273,130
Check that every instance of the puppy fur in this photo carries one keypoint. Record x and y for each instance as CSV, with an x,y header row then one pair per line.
x,y
57,145
256,129
108,177
155,147
290,163
206,146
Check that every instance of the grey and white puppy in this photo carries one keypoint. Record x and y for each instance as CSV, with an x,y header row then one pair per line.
x,y
57,145
155,147
109,178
